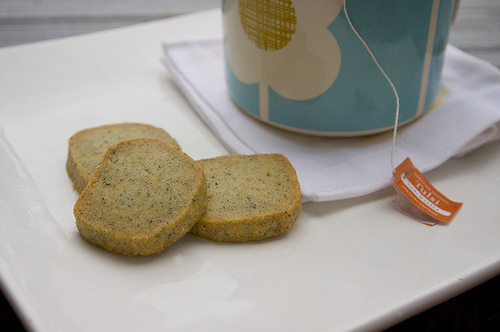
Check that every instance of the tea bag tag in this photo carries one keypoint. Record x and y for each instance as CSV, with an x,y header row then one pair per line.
x,y
418,199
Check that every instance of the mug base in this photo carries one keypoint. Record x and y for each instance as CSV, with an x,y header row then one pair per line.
x,y
440,97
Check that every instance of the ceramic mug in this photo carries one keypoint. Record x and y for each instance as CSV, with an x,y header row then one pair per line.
x,y
311,65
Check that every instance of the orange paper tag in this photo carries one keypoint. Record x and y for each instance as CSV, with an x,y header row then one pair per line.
x,y
418,199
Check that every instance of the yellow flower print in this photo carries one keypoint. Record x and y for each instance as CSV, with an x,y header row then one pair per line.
x,y
284,45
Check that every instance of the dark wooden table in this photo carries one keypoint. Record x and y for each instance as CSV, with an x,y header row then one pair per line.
x,y
476,30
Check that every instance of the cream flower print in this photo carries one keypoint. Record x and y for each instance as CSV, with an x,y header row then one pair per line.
x,y
284,45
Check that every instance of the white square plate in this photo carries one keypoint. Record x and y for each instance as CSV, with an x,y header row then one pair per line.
x,y
348,264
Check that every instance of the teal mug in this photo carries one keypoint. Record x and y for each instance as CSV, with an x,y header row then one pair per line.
x,y
334,68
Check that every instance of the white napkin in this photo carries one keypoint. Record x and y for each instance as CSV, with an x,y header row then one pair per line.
x,y
337,168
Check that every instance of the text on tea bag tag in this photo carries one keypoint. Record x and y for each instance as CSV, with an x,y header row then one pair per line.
x,y
418,199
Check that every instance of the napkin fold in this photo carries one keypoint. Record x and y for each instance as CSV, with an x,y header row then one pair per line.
x,y
337,168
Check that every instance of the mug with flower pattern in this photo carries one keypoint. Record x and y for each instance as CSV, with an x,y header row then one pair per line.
x,y
299,64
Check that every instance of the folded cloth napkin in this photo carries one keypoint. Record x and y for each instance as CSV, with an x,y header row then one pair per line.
x,y
336,168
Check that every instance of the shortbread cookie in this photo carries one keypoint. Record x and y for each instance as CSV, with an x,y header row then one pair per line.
x,y
145,195
87,147
249,197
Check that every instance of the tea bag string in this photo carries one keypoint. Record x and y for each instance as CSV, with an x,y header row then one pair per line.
x,y
386,77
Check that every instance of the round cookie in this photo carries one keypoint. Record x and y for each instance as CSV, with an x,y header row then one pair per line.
x,y
87,147
249,197
145,195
